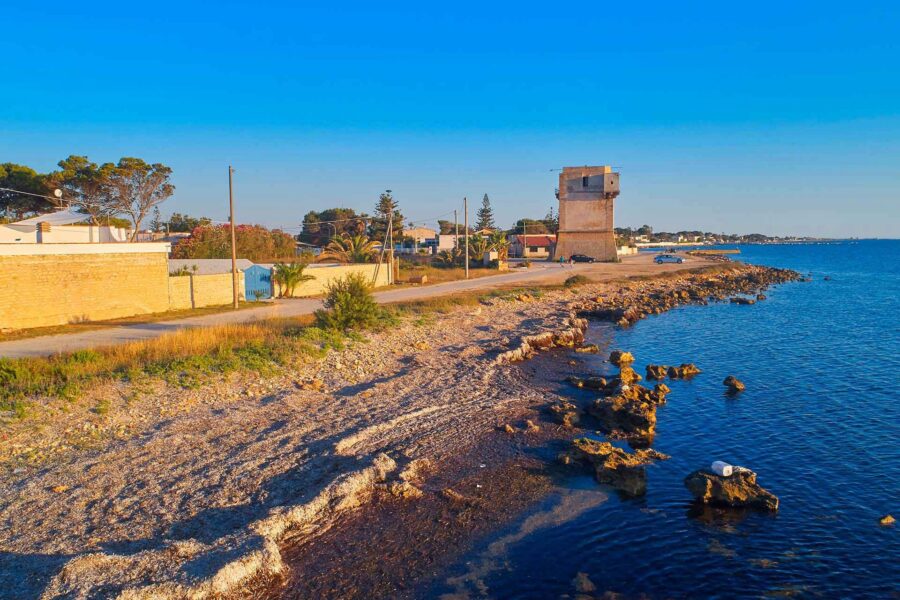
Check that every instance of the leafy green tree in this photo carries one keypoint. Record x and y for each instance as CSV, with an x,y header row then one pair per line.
x,y
289,275
137,187
179,223
500,244
533,226
320,227
15,205
85,187
350,249
485,215
386,211
253,242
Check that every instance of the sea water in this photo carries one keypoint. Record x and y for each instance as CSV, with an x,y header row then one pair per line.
x,y
819,422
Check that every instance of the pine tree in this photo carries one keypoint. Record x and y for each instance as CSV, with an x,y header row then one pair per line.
x,y
485,215
384,210
551,221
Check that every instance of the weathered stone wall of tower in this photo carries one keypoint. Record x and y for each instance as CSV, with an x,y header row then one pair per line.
x,y
586,197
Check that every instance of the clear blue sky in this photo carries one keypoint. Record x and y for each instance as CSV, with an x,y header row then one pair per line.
x,y
740,117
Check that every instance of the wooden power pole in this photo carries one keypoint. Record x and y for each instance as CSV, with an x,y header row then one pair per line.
x,y
235,288
466,228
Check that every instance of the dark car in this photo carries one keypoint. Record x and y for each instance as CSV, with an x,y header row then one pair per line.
x,y
582,258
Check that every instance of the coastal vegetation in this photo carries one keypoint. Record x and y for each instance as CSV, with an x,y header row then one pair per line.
x,y
254,242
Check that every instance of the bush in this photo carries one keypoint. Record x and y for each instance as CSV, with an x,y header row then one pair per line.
x,y
349,304
576,280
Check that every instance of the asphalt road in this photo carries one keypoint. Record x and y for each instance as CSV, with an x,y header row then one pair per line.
x,y
539,273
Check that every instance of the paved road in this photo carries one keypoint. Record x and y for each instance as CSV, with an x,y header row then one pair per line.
x,y
539,273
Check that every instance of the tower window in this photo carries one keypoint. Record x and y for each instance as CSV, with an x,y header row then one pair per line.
x,y
584,181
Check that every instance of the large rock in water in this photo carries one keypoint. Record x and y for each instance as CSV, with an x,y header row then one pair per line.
x,y
738,490
614,466
620,357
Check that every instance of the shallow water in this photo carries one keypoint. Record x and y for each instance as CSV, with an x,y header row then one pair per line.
x,y
819,423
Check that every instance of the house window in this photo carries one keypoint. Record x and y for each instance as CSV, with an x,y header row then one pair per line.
x,y
532,248
584,181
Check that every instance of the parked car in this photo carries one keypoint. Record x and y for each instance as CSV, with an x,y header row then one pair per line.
x,y
667,258
582,258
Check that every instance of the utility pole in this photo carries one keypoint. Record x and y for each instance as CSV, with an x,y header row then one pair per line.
x,y
524,238
466,227
235,288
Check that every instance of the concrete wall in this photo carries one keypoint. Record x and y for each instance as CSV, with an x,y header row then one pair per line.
x,y
325,273
61,234
55,284
197,291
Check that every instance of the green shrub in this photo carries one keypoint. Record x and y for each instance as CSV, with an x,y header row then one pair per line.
x,y
349,304
576,280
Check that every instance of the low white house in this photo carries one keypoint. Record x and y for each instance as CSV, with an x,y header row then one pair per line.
x,y
60,228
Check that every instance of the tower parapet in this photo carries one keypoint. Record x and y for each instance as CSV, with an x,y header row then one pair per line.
x,y
586,196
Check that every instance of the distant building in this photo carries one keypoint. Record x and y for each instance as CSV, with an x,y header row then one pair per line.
x,y
420,235
540,245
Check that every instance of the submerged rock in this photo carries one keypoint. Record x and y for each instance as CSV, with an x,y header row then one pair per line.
x,y
734,384
588,349
565,413
742,300
590,383
737,490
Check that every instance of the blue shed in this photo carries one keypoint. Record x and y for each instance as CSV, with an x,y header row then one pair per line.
x,y
257,282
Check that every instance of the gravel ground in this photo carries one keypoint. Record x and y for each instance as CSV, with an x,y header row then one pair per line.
x,y
187,492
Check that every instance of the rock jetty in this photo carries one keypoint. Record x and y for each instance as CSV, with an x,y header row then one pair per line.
x,y
737,490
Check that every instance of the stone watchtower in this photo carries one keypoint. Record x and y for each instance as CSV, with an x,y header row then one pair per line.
x,y
586,196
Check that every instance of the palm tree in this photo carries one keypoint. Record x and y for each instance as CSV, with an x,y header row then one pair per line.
x,y
288,276
350,249
500,245
478,245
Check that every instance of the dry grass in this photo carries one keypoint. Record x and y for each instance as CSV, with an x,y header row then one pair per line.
x,y
21,334
443,275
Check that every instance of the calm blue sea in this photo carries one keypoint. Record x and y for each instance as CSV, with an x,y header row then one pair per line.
x,y
819,423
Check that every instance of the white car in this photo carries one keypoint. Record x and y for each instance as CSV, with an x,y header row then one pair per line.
x,y
668,258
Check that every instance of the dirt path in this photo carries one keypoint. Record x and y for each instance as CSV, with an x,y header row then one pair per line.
x,y
195,495
538,274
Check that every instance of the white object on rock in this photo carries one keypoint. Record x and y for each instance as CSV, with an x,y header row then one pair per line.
x,y
722,468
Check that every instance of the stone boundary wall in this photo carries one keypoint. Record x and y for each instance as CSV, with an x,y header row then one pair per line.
x,y
324,273
56,284
197,291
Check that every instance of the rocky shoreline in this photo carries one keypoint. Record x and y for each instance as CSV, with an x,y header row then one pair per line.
x,y
340,448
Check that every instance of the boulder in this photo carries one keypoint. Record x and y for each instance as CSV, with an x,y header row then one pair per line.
x,y
627,375
656,371
684,371
625,412
614,466
734,384
886,520
737,490
588,349
619,358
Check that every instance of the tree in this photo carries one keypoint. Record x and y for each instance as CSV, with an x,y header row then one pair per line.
x,y
349,304
179,223
350,249
478,245
551,221
485,215
320,227
645,230
136,187
386,211
529,226
500,244
253,242
288,276
15,205
85,186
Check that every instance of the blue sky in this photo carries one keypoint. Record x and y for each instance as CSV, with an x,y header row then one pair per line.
x,y
741,117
